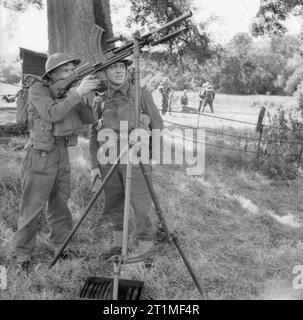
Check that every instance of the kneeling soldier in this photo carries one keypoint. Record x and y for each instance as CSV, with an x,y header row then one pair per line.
x,y
54,125
118,104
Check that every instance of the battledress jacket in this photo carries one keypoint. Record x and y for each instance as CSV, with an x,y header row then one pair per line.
x,y
49,117
147,105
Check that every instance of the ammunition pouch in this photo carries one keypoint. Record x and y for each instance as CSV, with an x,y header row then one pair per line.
x,y
70,125
41,135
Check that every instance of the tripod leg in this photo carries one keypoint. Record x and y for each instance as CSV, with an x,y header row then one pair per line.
x,y
126,206
168,234
89,206
116,279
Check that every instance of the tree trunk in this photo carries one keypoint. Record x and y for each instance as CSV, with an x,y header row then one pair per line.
x,y
70,23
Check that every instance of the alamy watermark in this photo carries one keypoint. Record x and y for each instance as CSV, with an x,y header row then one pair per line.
x,y
177,146
3,278
297,282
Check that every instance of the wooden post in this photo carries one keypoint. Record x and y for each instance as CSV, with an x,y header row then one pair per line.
x,y
259,143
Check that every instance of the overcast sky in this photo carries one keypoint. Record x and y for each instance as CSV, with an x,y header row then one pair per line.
x,y
30,28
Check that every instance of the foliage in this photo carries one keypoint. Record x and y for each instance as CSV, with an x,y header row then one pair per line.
x,y
194,43
228,223
242,66
294,80
299,95
10,75
272,14
22,5
281,149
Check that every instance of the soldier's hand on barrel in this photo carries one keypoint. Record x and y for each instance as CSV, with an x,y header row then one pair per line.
x,y
88,84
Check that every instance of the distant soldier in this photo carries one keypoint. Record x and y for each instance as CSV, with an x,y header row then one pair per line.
x,y
184,100
171,98
165,90
206,96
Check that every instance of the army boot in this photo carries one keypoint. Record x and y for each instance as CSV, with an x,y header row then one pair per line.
x,y
144,246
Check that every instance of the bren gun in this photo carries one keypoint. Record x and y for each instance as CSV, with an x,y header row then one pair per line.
x,y
99,61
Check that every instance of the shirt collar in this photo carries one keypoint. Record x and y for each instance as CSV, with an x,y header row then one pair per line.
x,y
123,90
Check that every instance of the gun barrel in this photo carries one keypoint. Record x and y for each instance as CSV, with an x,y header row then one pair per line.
x,y
114,55
130,44
169,36
170,23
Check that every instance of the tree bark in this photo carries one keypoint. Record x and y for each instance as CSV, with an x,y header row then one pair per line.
x,y
70,23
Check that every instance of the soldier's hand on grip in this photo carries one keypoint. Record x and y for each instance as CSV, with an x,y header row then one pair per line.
x,y
88,84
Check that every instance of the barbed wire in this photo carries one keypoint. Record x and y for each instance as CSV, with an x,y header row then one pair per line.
x,y
211,116
235,136
212,131
210,144
221,118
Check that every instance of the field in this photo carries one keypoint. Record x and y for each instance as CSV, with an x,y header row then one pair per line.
x,y
241,231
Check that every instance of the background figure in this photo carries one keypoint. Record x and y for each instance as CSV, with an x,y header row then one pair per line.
x,y
165,90
170,101
184,100
206,96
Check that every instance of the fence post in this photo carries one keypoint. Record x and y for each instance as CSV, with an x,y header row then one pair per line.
x,y
259,128
259,143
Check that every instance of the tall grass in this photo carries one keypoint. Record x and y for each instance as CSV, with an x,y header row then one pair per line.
x,y
226,221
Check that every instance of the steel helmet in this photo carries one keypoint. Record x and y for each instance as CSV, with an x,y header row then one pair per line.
x,y
126,62
56,60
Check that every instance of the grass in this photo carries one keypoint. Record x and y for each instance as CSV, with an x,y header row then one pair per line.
x,y
227,222
241,231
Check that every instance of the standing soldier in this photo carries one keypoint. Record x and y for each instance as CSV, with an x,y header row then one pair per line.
x,y
184,100
119,105
206,96
54,125
165,90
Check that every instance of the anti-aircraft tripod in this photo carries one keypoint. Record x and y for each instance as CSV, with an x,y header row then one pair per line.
x,y
113,288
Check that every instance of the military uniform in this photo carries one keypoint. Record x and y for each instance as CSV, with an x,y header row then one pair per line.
x,y
54,125
119,106
207,96
165,90
184,101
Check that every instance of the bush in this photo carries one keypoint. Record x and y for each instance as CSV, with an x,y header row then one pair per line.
x,y
299,96
280,152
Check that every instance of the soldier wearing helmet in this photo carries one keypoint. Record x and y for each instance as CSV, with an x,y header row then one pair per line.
x,y
165,91
54,125
206,97
184,101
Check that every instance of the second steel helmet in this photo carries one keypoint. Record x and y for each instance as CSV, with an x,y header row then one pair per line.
x,y
56,60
